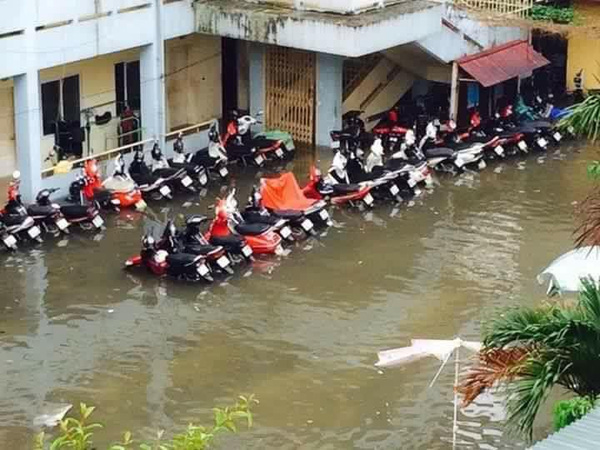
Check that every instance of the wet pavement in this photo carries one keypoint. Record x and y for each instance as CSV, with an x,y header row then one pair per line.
x,y
300,331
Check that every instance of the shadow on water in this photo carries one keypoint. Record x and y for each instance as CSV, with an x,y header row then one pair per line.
x,y
301,331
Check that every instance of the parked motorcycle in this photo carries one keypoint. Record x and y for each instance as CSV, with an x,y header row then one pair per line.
x,y
260,237
235,245
299,224
17,222
282,195
213,157
48,217
87,217
151,185
467,154
119,189
172,242
243,146
193,174
181,266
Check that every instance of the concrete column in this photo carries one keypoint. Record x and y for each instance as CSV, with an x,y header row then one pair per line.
x,y
256,78
328,96
152,80
28,133
454,87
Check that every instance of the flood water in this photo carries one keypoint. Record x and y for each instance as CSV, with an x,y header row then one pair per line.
x,y
301,331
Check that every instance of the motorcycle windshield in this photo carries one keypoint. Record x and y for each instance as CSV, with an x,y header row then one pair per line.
x,y
284,193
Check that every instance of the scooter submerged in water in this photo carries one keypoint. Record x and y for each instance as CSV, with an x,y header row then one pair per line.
x,y
262,238
181,266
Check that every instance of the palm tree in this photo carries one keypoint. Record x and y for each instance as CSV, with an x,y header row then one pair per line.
x,y
528,351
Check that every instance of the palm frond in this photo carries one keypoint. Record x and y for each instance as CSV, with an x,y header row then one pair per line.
x,y
588,231
537,376
494,366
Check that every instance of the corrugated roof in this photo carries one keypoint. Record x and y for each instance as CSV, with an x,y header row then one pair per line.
x,y
581,435
502,63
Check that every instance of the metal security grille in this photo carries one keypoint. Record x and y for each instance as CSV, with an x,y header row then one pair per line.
x,y
290,92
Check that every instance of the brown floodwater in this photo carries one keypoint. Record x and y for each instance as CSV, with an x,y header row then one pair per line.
x,y
300,331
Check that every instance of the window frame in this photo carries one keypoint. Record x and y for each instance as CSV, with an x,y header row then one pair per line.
x,y
61,109
125,63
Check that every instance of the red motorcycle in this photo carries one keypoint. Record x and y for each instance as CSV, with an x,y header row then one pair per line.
x,y
181,266
121,188
242,146
338,193
261,238
282,194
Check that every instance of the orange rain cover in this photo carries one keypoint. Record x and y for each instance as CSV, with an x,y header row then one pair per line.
x,y
284,193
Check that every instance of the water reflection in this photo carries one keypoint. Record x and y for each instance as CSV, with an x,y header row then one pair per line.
x,y
301,331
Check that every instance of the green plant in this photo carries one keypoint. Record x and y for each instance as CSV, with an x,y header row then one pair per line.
x,y
552,13
593,170
568,411
528,351
584,117
76,434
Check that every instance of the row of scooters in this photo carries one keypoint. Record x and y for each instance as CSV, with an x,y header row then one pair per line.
x,y
280,212
132,187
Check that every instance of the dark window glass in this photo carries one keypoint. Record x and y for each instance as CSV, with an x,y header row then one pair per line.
x,y
127,85
70,94
50,106
133,84
120,87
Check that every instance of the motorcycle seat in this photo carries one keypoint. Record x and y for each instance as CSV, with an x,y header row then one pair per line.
x,y
288,214
257,217
230,242
252,229
181,260
341,135
199,249
439,152
12,219
74,211
166,173
38,210
102,195
117,184
345,188
144,179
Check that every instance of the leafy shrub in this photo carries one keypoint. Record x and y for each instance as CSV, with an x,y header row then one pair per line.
x,y
568,411
77,434
552,14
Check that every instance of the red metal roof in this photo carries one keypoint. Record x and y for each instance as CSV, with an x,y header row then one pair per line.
x,y
502,63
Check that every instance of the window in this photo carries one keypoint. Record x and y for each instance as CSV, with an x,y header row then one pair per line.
x,y
127,85
60,101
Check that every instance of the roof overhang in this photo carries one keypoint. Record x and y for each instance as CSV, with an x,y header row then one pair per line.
x,y
339,34
498,64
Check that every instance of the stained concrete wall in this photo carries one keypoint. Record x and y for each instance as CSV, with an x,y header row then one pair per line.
x,y
193,77
8,155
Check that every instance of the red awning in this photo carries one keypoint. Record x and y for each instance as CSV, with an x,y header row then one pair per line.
x,y
502,63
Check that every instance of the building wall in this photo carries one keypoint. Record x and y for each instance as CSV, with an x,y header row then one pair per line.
x,y
193,80
7,129
584,53
96,87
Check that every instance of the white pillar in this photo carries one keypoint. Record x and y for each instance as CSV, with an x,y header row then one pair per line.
x,y
454,87
328,96
28,133
152,80
256,78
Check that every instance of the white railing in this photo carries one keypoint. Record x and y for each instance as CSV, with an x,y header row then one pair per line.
x,y
76,163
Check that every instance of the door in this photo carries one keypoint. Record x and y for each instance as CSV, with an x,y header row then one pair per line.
x,y
229,75
290,92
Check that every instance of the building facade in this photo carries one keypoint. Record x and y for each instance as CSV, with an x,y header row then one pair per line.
x,y
79,73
